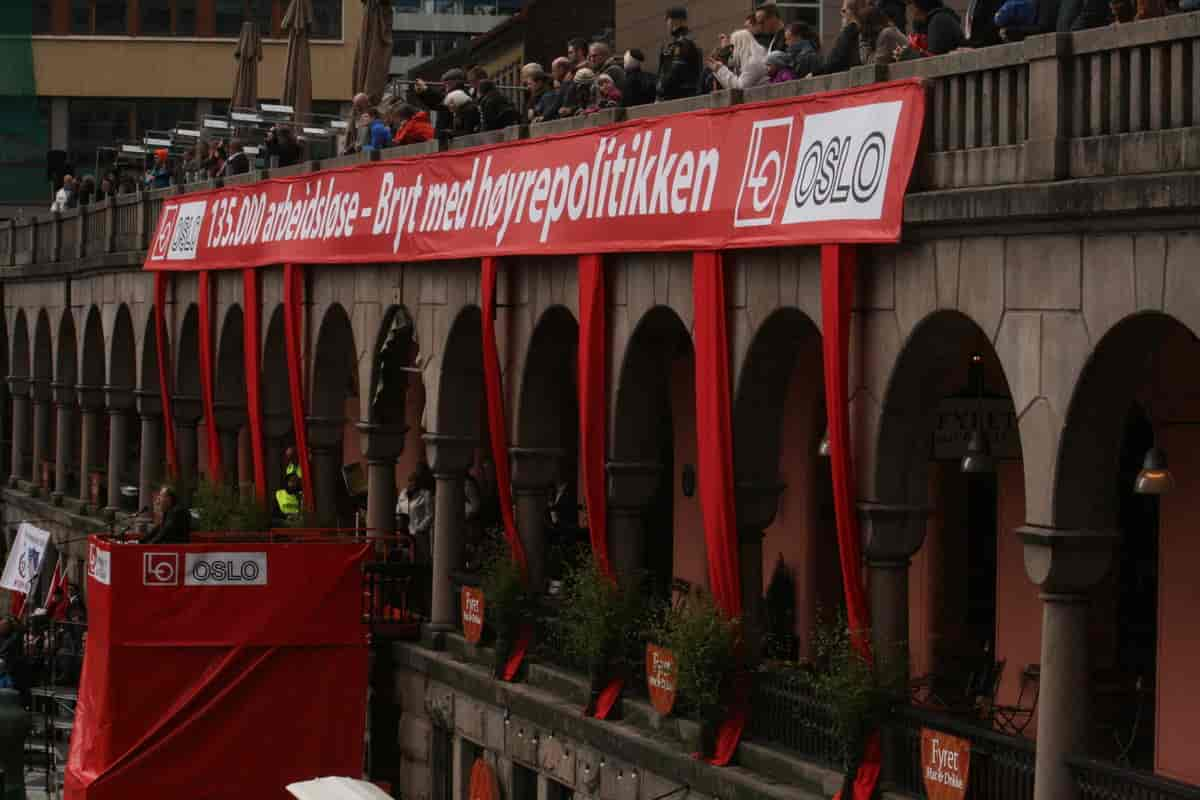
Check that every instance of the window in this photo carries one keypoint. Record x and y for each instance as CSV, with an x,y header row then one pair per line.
x,y
41,16
81,16
407,6
802,12
105,122
111,17
230,14
404,44
327,17
156,17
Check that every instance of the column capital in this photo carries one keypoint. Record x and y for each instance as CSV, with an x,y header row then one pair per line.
x,y
90,398
892,532
18,384
149,404
632,484
381,442
449,454
324,431
39,389
1065,561
757,503
187,408
118,398
229,416
534,468
62,393
276,424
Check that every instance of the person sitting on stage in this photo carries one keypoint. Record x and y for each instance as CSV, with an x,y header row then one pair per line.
x,y
288,499
175,521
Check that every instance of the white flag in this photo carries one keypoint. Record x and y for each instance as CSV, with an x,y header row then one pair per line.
x,y
25,558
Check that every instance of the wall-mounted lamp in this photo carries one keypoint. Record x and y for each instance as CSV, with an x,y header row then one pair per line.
x,y
689,480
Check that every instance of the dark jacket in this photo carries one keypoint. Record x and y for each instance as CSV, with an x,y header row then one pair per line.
x,y
1047,22
844,53
981,21
804,58
238,164
679,65
945,31
896,11
639,88
466,121
496,111
546,106
175,528
772,42
287,150
615,69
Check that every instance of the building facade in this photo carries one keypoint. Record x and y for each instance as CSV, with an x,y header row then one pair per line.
x,y
1042,294
427,29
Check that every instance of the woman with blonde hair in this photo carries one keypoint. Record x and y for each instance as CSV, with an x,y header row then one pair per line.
x,y
749,59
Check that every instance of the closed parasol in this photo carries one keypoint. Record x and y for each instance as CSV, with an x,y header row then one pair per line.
x,y
247,55
373,56
297,79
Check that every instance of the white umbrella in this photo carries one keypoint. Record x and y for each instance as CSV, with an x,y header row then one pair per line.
x,y
337,789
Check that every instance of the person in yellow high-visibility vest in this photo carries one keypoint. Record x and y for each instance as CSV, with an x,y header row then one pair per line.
x,y
291,465
289,499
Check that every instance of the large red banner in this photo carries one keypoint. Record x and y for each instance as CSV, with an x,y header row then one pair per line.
x,y
219,671
806,170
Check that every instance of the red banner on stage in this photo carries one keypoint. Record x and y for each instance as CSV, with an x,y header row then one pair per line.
x,y
813,169
196,651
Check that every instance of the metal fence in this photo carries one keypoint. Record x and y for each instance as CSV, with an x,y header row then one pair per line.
x,y
785,712
1100,780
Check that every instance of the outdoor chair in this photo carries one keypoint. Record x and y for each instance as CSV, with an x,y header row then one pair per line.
x,y
1014,719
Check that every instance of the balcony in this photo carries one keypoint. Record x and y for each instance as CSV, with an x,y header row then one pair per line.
x,y
1104,103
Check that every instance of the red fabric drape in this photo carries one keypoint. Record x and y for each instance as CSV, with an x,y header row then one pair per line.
x,y
593,403
838,267
497,428
251,316
206,380
163,353
715,464
293,298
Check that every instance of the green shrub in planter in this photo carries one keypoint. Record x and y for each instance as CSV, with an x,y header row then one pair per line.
x,y
506,600
598,622
223,508
858,694
704,643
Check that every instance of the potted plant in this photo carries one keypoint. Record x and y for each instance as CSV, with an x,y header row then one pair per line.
x,y
857,692
594,620
219,507
704,642
506,599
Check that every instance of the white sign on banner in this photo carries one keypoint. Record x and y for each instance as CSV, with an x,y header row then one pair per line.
x,y
100,564
225,569
25,558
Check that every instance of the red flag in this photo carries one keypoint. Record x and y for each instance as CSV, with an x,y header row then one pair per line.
x,y
16,603
56,596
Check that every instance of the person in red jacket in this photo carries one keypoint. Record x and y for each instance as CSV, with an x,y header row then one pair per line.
x,y
413,126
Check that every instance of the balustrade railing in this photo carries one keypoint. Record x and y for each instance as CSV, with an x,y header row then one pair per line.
x,y
95,230
1116,100
1101,780
785,712
44,244
70,232
1002,766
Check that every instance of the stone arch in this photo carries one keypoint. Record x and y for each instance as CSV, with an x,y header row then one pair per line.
x,y
92,362
229,391
393,369
548,408
460,384
333,410
149,382
122,373
652,445
67,358
20,362
784,489
969,597
276,398
43,351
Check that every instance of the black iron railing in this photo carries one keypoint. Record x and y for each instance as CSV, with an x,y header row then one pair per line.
x,y
1102,780
395,598
1002,766
786,712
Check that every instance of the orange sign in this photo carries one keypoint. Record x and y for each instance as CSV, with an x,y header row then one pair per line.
x,y
661,674
945,765
472,613
484,785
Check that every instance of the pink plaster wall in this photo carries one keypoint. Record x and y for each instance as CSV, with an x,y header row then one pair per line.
x,y
690,559
795,533
1178,598
1018,609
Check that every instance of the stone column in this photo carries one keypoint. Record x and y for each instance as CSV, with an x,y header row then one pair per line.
x,y
631,486
532,480
19,387
120,405
892,534
757,504
277,431
325,449
1064,565
91,403
151,469
382,445
64,442
229,456
41,428
187,413
449,457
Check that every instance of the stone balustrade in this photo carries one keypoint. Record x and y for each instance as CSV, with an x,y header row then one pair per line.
x,y
1114,101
